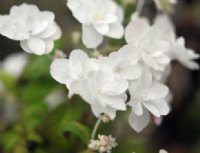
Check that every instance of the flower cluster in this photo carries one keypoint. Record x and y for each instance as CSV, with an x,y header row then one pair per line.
x,y
140,67
98,18
35,30
104,144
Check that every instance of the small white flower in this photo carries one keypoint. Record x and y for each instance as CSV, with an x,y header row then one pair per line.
x,y
148,41
177,50
99,18
73,70
36,30
124,62
15,63
184,55
105,92
146,96
94,81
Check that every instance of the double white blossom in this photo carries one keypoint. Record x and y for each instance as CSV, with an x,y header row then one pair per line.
x,y
36,30
147,96
73,70
147,40
98,18
177,50
124,62
98,85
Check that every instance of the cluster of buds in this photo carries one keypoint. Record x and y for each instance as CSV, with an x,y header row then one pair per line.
x,y
104,144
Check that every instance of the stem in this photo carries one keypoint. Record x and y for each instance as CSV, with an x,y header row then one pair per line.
x,y
96,127
140,4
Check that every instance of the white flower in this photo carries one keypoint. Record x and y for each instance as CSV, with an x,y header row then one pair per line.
x,y
104,144
94,81
99,18
15,63
35,30
177,50
146,96
105,92
124,62
184,55
163,151
73,70
148,41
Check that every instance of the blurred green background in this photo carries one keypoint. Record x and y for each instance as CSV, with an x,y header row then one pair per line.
x,y
37,117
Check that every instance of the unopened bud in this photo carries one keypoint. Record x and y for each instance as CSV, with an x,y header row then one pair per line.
x,y
105,118
59,54
76,36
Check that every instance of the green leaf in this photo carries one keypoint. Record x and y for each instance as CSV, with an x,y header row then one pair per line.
x,y
39,67
36,90
8,81
10,140
78,129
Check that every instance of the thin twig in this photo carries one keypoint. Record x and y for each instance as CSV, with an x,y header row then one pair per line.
x,y
96,127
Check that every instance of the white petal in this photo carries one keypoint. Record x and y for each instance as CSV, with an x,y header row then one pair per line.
x,y
163,107
16,31
102,28
157,91
78,55
115,102
136,30
163,151
151,106
46,18
120,14
25,47
138,123
49,32
98,110
132,72
146,79
130,52
59,70
79,10
157,108
36,45
136,106
91,38
115,31
58,33
49,46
